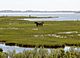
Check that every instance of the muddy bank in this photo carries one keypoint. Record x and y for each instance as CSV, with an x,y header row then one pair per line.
x,y
45,46
32,46
39,45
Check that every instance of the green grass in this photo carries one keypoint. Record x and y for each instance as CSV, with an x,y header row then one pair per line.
x,y
21,32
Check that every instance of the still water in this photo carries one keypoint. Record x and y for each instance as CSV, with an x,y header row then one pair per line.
x,y
62,16
21,49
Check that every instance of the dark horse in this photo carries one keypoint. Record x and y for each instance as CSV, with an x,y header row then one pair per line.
x,y
39,23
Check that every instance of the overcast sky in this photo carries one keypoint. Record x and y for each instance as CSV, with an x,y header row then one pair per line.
x,y
40,5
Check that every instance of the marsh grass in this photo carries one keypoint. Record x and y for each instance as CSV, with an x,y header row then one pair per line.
x,y
42,53
20,32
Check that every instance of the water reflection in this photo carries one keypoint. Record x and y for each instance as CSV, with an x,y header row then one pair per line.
x,y
11,48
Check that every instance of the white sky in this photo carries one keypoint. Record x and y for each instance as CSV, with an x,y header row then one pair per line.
x,y
52,5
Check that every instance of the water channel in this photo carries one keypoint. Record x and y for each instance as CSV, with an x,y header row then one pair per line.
x,y
18,49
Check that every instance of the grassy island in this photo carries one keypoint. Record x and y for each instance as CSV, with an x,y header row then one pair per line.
x,y
53,34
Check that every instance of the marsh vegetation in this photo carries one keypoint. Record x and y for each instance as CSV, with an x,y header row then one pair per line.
x,y
42,53
53,34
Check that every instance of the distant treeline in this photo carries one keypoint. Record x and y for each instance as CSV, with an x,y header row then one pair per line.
x,y
37,11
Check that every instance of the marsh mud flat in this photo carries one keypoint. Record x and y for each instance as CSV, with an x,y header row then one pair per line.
x,y
21,49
